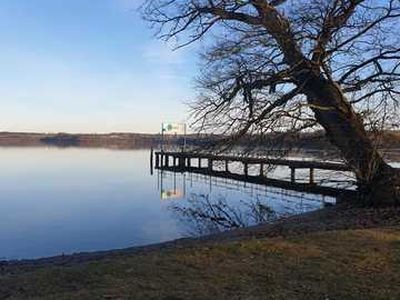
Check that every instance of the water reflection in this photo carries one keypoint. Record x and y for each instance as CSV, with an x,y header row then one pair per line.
x,y
203,215
204,204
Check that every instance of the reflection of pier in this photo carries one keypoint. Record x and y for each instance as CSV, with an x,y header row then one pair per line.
x,y
204,164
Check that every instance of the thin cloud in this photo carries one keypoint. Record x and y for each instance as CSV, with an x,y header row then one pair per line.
x,y
162,53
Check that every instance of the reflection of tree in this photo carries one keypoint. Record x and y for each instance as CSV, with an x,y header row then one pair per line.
x,y
202,215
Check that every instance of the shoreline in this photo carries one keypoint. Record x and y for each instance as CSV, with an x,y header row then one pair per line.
x,y
332,253
337,217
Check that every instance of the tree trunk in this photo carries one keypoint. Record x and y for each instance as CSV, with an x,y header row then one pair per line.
x,y
378,182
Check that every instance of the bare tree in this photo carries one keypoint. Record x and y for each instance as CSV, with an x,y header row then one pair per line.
x,y
290,65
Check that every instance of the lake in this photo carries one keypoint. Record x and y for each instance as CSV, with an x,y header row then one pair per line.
x,y
66,200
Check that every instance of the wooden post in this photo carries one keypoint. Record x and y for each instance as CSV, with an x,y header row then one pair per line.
x,y
226,165
311,175
151,160
166,160
246,169
210,165
261,170
188,161
174,157
181,162
199,162
292,175
157,160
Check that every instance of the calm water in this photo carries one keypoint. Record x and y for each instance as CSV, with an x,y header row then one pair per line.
x,y
56,201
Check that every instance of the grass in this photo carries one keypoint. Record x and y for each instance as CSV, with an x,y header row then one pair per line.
x,y
343,264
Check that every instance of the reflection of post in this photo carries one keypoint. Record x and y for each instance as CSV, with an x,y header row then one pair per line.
x,y
174,182
184,184
301,204
161,183
158,179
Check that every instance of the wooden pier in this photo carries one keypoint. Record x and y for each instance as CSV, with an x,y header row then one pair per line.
x,y
204,163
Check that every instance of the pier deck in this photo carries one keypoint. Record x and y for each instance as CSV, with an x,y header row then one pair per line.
x,y
183,162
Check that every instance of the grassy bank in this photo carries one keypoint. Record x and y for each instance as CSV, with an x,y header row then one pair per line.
x,y
337,264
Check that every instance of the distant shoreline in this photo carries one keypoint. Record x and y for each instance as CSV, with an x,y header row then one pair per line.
x,y
124,140
104,140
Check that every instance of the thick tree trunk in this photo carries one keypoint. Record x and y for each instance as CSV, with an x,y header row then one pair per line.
x,y
376,179
378,183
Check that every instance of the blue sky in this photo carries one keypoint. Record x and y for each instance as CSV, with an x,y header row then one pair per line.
x,y
87,66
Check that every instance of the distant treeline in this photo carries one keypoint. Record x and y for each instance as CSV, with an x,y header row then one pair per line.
x,y
314,140
111,140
